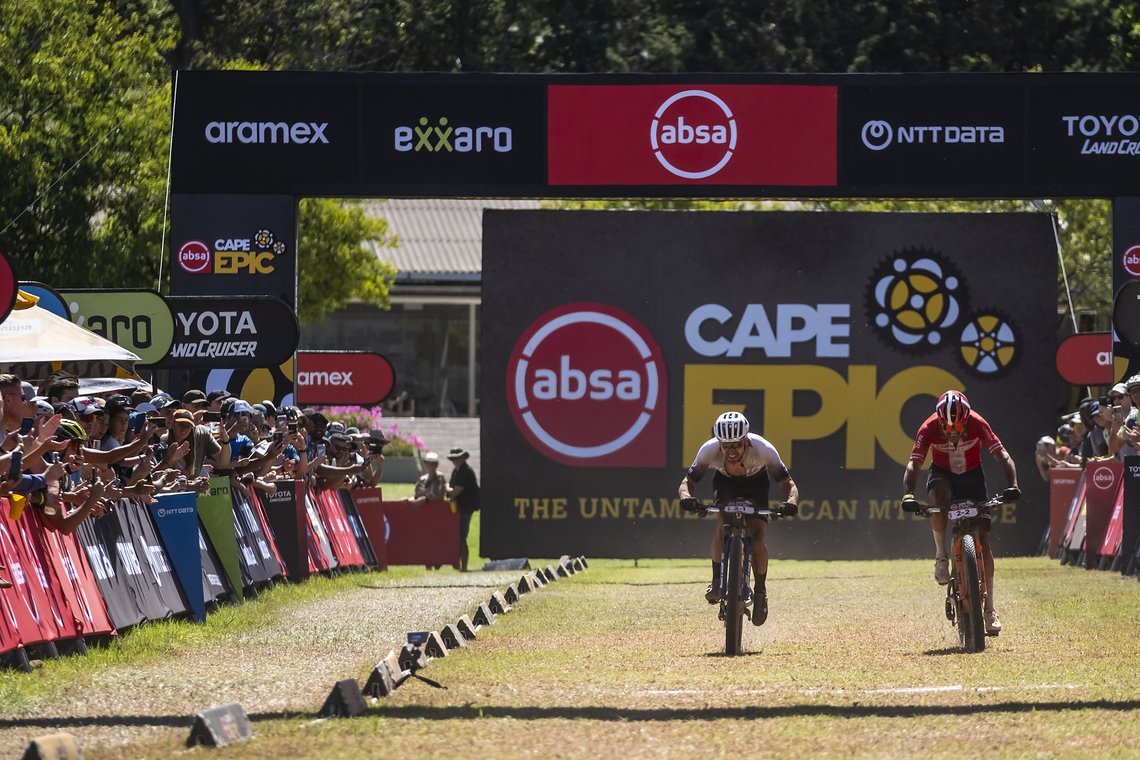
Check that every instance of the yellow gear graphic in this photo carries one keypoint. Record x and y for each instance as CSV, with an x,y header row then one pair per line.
x,y
988,344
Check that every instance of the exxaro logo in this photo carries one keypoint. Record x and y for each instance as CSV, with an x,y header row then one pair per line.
x,y
586,387
442,137
693,134
266,132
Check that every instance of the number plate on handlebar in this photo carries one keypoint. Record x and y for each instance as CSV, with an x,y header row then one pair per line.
x,y
739,507
962,512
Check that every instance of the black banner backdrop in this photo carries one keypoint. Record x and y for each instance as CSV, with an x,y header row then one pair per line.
x,y
215,585
258,565
613,339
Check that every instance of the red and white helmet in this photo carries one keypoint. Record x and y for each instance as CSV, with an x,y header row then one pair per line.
x,y
953,410
730,427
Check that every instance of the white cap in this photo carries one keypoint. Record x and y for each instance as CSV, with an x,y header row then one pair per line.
x,y
431,456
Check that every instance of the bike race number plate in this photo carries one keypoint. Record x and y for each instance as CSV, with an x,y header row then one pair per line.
x,y
959,512
745,507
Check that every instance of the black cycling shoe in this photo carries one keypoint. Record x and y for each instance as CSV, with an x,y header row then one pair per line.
x,y
760,609
746,596
712,595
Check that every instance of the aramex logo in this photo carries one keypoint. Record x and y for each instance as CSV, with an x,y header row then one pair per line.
x,y
693,134
585,384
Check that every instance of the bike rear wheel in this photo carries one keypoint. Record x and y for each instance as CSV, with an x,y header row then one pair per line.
x,y
971,625
733,608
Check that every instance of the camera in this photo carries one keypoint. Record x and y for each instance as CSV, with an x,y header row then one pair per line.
x,y
157,421
212,417
292,426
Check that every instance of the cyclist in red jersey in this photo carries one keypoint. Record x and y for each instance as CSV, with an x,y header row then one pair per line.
x,y
955,436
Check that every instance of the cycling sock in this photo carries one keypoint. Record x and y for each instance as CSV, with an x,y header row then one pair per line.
x,y
716,573
761,588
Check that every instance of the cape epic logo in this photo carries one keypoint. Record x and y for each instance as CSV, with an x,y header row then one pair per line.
x,y
586,386
693,134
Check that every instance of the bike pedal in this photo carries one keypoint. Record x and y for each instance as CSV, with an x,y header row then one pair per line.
x,y
720,615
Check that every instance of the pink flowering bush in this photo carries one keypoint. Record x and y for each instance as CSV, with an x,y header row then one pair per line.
x,y
372,418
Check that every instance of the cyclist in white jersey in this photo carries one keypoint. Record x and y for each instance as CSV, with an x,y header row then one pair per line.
x,y
743,463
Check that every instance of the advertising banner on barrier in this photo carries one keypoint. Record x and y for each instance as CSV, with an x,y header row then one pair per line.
x,y
1062,489
30,605
1103,481
424,534
176,518
258,564
74,577
357,526
215,583
285,510
368,503
834,333
216,511
322,556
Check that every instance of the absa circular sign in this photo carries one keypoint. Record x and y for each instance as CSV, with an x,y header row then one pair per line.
x,y
195,257
586,387
693,134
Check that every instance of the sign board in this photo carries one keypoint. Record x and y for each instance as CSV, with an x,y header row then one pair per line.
x,y
138,320
1086,359
833,333
342,377
254,331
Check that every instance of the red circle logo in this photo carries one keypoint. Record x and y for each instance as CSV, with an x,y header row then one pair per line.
x,y
586,387
693,134
1131,261
195,257
1103,478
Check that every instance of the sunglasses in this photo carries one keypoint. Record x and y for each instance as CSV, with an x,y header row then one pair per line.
x,y
956,427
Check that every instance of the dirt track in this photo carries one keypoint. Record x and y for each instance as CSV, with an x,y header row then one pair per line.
x,y
288,667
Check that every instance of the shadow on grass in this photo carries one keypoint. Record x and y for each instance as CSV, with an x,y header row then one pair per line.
x,y
111,721
603,713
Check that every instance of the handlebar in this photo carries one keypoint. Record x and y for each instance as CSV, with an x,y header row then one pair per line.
x,y
747,507
924,510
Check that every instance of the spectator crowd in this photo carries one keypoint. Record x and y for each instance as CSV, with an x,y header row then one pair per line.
x,y
1107,427
72,456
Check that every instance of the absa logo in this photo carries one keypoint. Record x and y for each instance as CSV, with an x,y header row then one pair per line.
x,y
195,257
586,387
1103,478
1131,261
693,134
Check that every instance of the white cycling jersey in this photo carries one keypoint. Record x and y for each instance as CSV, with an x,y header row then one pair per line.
x,y
760,455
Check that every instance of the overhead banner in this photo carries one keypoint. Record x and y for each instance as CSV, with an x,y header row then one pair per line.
x,y
236,332
286,134
330,378
138,320
607,358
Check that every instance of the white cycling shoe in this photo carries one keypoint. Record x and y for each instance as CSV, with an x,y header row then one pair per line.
x,y
993,622
942,571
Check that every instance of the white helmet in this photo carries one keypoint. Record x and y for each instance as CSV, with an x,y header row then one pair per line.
x,y
730,427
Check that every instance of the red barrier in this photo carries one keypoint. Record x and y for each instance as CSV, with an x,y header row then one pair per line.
x,y
422,535
30,608
1063,485
338,529
1112,539
368,503
266,528
1074,520
72,575
1103,481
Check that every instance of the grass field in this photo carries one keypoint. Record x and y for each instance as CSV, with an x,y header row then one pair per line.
x,y
856,660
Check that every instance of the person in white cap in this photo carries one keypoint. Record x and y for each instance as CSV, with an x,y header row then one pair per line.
x,y
431,486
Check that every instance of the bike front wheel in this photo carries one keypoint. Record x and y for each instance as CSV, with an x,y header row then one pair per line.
x,y
733,607
971,625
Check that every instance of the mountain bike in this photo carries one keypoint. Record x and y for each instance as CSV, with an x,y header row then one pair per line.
x,y
966,593
736,561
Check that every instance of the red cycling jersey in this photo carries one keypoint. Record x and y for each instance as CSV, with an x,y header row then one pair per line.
x,y
963,457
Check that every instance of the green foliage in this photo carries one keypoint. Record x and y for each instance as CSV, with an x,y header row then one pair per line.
x,y
335,263
84,120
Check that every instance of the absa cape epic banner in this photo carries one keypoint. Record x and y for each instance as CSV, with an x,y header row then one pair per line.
x,y
612,340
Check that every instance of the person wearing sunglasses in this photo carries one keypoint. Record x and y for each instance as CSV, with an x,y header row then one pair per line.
x,y
955,436
743,463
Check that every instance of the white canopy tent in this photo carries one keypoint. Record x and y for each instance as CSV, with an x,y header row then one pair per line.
x,y
34,343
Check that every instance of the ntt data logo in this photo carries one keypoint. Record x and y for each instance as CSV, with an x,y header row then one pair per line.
x,y
586,387
693,134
